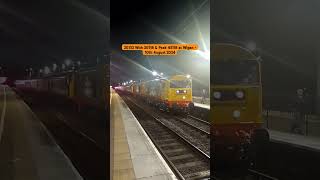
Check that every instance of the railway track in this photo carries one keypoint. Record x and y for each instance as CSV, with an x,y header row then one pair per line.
x,y
199,120
87,156
183,127
255,175
196,123
191,131
79,133
194,130
186,160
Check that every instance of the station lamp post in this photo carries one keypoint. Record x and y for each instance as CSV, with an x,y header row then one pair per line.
x,y
63,67
54,67
68,63
29,72
40,72
46,70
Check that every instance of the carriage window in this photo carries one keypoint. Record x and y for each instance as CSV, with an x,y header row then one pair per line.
x,y
236,72
180,83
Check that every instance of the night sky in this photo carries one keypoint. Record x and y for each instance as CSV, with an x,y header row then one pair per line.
x,y
286,35
40,33
146,22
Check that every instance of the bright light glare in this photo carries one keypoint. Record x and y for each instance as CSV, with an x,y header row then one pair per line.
x,y
154,73
204,54
188,76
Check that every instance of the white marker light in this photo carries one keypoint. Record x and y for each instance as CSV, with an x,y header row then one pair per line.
x,y
236,113
217,95
239,94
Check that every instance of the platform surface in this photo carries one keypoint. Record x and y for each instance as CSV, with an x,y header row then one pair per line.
x,y
205,106
305,142
27,149
134,155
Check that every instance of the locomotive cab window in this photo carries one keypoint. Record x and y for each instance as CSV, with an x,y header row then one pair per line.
x,y
180,83
236,72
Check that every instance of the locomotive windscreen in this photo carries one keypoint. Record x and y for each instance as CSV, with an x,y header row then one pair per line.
x,y
180,83
236,72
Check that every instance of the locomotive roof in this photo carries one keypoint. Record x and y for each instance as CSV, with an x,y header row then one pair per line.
x,y
173,77
225,51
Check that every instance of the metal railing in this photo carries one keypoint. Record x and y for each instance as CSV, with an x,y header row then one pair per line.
x,y
303,121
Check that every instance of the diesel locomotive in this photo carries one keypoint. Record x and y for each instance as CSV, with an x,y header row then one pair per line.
x,y
173,93
237,131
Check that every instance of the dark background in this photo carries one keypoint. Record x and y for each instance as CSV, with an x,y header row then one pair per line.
x,y
39,33
286,35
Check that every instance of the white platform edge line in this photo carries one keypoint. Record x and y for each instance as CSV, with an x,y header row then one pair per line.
x,y
53,140
150,142
204,106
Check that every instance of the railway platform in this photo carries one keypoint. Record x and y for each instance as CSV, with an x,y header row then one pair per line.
x,y
133,155
204,106
279,125
197,102
27,149
295,140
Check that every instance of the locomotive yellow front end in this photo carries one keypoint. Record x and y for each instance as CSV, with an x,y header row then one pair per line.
x,y
236,96
179,93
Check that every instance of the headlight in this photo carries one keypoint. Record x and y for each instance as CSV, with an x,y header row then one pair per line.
x,y
217,95
240,94
236,113
183,97
185,91
177,91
